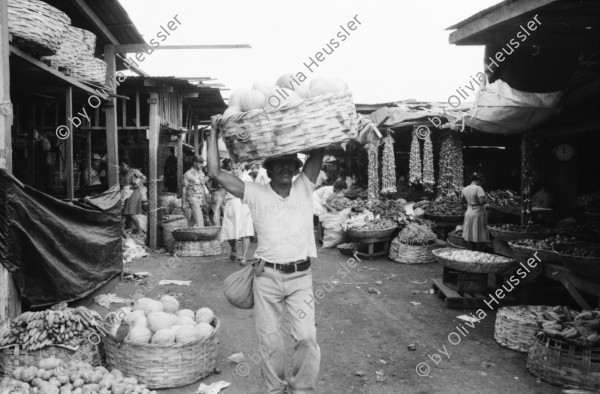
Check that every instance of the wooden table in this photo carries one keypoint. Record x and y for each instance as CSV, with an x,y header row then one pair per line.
x,y
573,284
370,242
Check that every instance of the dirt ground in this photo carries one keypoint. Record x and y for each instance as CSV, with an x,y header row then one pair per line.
x,y
363,336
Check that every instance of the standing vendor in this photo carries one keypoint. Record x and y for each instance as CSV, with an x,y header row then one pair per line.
x,y
133,193
475,230
194,192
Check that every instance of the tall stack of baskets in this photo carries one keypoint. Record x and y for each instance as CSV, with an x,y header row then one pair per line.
x,y
36,27
43,30
197,242
414,254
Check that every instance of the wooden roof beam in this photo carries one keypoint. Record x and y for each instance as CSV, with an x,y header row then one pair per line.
x,y
496,17
95,19
131,48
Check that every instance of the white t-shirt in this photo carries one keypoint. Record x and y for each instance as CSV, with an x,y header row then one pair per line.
x,y
284,226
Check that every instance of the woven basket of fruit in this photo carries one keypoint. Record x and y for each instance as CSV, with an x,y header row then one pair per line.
x,y
456,240
516,326
363,228
471,261
558,362
582,260
347,249
296,126
510,232
446,209
414,254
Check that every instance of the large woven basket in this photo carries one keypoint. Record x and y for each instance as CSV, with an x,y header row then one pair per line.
x,y
294,127
77,44
502,235
371,234
456,240
168,225
198,248
414,254
560,363
516,326
197,233
585,267
164,367
524,253
14,357
89,70
445,218
36,27
498,267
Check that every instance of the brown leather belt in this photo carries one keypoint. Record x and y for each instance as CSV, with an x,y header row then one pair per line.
x,y
291,267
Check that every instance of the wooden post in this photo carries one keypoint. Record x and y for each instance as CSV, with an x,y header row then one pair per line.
x,y
31,157
179,164
69,144
10,301
112,138
153,137
196,138
88,155
137,108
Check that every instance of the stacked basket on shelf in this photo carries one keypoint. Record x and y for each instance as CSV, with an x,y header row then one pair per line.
x,y
36,27
165,346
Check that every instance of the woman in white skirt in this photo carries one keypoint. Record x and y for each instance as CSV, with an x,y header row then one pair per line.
x,y
237,222
475,230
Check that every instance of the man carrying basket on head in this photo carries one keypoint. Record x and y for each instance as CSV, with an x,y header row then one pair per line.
x,y
282,212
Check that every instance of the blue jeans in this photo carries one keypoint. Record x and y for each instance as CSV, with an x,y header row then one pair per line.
x,y
274,291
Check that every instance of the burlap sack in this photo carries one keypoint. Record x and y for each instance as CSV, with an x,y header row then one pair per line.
x,y
238,288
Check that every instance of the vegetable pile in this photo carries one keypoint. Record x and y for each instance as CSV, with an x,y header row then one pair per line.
x,y
356,192
417,234
504,198
590,202
68,327
73,377
162,323
364,223
582,328
470,256
547,243
447,206
580,251
389,209
532,228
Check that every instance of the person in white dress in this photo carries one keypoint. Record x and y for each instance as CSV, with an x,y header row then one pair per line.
x,y
237,221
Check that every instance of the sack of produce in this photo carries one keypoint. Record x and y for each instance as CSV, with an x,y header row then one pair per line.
x,y
333,234
238,288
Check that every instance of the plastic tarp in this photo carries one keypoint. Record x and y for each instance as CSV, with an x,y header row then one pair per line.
x,y
57,250
500,109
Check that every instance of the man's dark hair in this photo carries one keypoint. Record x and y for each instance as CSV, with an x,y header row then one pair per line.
x,y
339,185
475,177
248,167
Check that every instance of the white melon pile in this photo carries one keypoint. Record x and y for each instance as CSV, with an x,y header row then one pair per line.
x,y
163,323
287,89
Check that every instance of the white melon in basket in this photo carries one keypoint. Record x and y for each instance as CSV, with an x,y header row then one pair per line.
x,y
134,315
140,321
252,99
186,334
170,303
204,330
290,84
231,111
161,320
265,87
204,315
148,305
321,86
186,312
139,334
185,321
291,98
235,96
164,337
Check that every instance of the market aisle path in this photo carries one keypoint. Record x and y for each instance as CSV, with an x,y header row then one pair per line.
x,y
363,336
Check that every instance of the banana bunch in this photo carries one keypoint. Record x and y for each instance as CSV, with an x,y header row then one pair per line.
x,y
561,323
69,327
